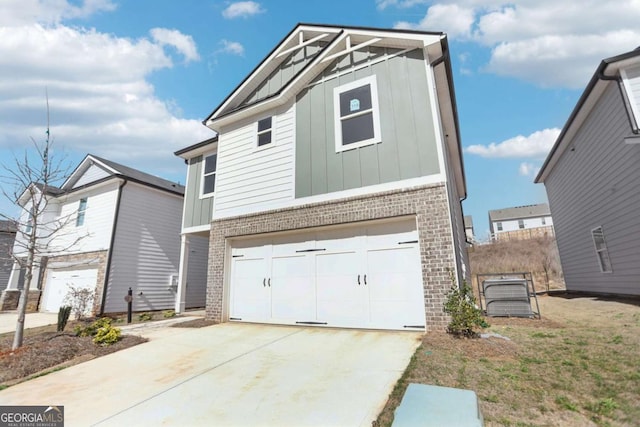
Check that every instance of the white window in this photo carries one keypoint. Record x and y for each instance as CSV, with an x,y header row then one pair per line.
x,y
520,223
265,132
82,209
499,224
209,175
29,226
601,250
357,116
544,221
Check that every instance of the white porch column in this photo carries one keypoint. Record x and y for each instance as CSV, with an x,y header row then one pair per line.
x,y
14,276
181,293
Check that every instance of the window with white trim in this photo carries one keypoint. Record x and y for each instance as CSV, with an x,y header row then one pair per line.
x,y
209,175
265,132
544,221
356,114
82,210
521,223
499,225
29,225
602,252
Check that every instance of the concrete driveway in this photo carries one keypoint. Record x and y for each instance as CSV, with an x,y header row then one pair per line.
x,y
8,320
231,375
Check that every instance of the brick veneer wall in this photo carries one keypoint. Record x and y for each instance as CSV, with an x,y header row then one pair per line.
x,y
427,203
96,259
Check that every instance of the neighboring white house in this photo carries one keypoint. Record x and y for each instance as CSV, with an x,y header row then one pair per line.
x,y
332,192
120,228
468,229
592,180
521,222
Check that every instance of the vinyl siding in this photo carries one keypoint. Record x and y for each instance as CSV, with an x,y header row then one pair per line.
x,y
285,71
197,211
249,179
146,250
6,260
513,224
93,173
408,148
597,185
197,272
95,233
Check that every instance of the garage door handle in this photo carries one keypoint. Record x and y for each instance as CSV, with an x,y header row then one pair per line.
x,y
269,281
264,282
365,279
358,280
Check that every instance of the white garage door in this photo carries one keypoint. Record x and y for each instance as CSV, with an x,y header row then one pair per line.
x,y
364,277
58,282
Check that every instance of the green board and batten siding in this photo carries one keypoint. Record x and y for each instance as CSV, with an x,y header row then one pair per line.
x,y
198,211
408,148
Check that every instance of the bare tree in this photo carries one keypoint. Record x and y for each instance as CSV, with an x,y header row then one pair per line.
x,y
33,179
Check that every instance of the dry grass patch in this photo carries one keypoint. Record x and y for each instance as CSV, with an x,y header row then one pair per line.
x,y
578,366
195,323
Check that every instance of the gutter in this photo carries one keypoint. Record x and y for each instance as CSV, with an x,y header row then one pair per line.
x,y
111,243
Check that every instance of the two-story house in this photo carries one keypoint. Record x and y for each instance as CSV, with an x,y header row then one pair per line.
x,y
7,237
332,192
117,228
521,222
591,176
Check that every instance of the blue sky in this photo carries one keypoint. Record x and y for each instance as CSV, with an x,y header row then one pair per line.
x,y
131,80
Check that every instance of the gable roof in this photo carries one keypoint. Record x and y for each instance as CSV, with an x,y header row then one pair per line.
x,y
197,148
121,171
520,212
607,71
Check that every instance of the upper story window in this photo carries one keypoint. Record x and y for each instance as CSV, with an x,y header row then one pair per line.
x,y
499,224
602,251
29,226
544,221
209,175
521,223
265,134
357,116
82,209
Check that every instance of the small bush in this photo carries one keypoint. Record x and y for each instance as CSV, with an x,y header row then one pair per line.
x,y
145,317
101,330
466,316
63,317
81,300
169,313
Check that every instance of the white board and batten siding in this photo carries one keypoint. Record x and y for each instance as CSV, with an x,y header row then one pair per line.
x,y
146,249
631,79
95,233
250,179
197,271
597,185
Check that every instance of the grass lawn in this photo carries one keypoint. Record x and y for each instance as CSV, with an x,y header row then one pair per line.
x,y
578,366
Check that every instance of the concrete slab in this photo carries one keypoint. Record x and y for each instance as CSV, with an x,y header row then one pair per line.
x,y
8,320
232,375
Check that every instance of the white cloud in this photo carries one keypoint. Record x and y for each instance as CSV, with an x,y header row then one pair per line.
x,y
182,42
20,12
536,145
547,42
100,98
242,9
233,48
528,169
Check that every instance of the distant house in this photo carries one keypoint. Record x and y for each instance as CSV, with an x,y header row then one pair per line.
x,y
521,222
7,237
468,229
120,228
332,193
592,180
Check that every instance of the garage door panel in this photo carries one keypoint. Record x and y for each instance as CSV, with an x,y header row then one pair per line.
x,y
250,299
293,294
60,282
340,240
389,235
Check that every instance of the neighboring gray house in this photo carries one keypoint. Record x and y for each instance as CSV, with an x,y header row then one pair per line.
x,y
521,222
592,180
128,223
332,192
7,237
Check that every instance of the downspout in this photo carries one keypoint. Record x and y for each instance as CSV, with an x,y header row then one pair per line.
x,y
618,79
111,243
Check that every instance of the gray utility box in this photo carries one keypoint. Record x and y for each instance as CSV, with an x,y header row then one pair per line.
x,y
435,406
507,297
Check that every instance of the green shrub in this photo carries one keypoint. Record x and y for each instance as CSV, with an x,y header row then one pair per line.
x,y
63,317
169,313
145,317
107,335
101,330
466,316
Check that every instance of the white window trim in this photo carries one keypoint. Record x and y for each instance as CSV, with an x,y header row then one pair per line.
x,y
82,212
204,195
273,134
375,109
605,250
631,99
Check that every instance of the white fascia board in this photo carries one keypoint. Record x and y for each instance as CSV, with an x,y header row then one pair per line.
x,y
82,168
209,148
